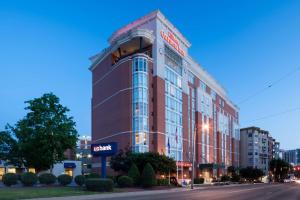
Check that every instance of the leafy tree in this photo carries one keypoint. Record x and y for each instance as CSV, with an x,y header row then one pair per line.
x,y
134,173
148,178
160,163
279,168
9,149
231,170
251,173
40,139
121,161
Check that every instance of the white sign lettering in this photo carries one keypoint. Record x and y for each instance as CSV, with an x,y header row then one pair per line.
x,y
102,148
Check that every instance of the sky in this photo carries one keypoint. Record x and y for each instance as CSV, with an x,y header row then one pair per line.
x,y
244,45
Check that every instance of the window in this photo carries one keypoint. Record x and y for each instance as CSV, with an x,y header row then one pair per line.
x,y
173,109
140,123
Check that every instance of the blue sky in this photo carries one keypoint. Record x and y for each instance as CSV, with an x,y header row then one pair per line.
x,y
245,45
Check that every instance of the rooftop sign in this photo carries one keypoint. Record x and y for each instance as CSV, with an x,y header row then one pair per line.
x,y
172,40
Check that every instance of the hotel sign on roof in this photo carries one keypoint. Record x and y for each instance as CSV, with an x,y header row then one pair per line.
x,y
173,41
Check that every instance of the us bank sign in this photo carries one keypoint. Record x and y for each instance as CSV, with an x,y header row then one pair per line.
x,y
104,149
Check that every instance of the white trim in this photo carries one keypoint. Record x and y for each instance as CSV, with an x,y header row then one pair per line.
x,y
121,40
116,93
112,69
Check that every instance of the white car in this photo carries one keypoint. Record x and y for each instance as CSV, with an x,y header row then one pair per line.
x,y
287,180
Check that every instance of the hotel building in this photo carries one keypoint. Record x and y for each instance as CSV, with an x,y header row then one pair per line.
x,y
148,94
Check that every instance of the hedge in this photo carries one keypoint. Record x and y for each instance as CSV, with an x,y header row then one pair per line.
x,y
225,178
10,179
29,179
93,175
198,180
99,184
163,181
235,178
47,179
79,180
125,181
64,179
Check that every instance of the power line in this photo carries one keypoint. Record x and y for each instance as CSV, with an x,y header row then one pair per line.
x,y
269,85
276,114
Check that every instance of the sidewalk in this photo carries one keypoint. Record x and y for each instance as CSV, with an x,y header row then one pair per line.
x,y
121,194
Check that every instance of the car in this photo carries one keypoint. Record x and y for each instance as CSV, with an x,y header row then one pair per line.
x,y
288,180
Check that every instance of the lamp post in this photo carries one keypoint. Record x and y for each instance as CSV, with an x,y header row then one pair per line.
x,y
193,158
193,153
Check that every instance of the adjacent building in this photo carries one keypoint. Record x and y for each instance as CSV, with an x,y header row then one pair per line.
x,y
149,94
258,148
292,156
83,154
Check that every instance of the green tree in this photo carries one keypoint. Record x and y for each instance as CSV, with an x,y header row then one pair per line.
x,y
148,178
231,170
160,163
9,149
134,173
40,139
251,173
279,168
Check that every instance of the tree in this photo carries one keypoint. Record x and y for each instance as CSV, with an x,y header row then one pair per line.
x,y
279,168
160,163
42,136
148,176
134,173
9,150
231,170
251,174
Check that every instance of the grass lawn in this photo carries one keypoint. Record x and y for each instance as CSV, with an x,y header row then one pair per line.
x,y
34,192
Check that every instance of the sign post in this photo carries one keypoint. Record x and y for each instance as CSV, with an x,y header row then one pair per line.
x,y
103,150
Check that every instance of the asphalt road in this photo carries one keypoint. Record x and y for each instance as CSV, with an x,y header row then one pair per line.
x,y
287,191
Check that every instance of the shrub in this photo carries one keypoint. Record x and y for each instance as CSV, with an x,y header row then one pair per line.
x,y
198,180
47,179
113,178
163,181
99,184
225,178
125,181
29,179
148,176
134,173
9,179
79,180
93,175
64,179
235,178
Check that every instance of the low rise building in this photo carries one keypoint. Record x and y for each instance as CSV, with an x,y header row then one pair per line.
x,y
83,154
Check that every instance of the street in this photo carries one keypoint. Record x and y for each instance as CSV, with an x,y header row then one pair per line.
x,y
290,191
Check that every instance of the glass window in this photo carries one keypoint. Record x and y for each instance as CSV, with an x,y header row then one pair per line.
x,y
140,104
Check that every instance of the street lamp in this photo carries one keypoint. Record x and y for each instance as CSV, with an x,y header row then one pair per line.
x,y
205,127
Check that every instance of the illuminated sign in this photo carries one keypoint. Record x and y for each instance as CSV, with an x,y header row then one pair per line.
x,y
183,164
172,40
104,149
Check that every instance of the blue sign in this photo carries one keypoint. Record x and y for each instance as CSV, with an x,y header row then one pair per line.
x,y
104,149
69,165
